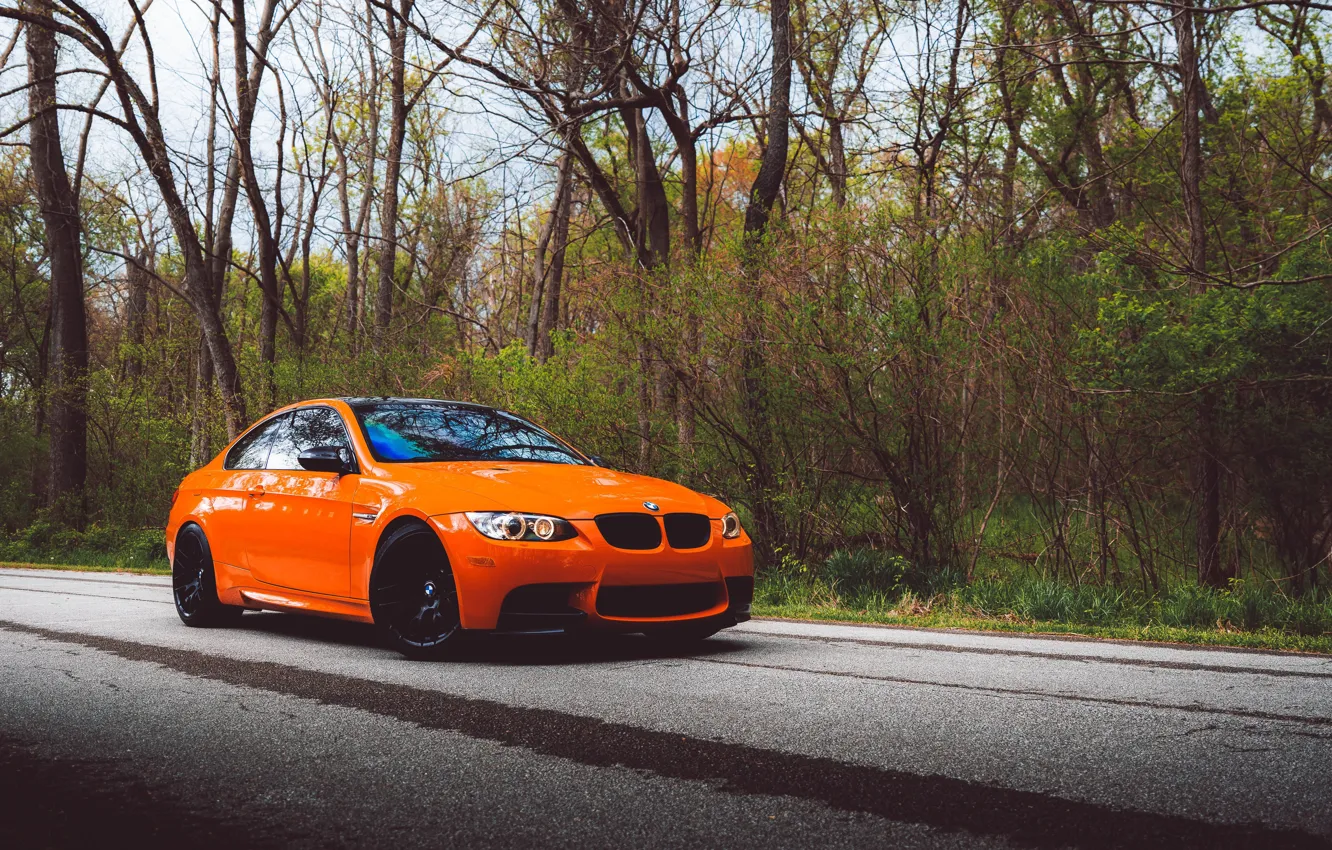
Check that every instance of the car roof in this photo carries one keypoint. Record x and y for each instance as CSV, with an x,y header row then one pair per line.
x,y
383,399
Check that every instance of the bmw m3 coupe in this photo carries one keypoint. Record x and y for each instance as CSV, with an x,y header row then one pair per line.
x,y
433,519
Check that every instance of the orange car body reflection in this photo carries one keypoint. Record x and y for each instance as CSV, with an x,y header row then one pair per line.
x,y
297,540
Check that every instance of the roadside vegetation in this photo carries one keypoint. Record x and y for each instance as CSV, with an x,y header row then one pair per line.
x,y
97,547
1242,614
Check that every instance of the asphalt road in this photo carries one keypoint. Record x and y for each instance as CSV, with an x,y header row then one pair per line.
x,y
117,723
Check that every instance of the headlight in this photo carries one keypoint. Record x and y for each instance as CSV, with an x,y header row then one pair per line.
x,y
507,525
731,526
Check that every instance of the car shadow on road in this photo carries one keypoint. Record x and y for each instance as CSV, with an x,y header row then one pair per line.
x,y
518,650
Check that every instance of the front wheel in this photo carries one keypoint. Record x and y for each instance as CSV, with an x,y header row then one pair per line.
x,y
413,596
194,583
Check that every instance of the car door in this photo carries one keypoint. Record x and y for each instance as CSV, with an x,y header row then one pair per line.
x,y
302,520
225,509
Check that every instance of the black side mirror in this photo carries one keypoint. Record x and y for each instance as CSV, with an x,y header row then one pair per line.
x,y
327,459
597,460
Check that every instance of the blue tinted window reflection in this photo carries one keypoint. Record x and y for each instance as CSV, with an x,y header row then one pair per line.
x,y
402,431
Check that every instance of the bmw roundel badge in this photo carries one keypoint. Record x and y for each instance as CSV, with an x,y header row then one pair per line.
x,y
652,506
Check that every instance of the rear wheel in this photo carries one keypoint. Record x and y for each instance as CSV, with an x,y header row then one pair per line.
x,y
194,583
413,596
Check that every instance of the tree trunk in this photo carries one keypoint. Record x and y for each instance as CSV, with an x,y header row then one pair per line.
x,y
396,25
676,117
1208,483
541,270
302,305
249,76
837,161
136,312
654,232
768,182
200,443
550,308
767,186
68,387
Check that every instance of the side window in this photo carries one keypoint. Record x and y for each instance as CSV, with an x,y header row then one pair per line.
x,y
284,452
320,426
310,427
251,451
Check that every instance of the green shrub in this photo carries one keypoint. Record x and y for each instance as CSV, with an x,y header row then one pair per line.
x,y
857,570
1255,609
1191,607
931,581
96,546
1306,617
37,536
1101,606
101,538
146,547
1046,600
992,598
66,540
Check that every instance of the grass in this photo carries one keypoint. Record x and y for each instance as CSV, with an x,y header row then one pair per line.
x,y
1270,639
1257,618
163,570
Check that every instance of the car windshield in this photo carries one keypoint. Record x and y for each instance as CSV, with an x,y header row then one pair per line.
x,y
422,431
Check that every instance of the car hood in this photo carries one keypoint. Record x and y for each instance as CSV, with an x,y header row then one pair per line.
x,y
565,490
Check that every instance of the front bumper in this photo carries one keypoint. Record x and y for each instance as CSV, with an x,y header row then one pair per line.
x,y
585,583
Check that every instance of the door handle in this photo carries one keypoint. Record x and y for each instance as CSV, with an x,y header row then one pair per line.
x,y
256,492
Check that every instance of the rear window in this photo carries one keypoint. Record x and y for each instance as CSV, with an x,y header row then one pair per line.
x,y
417,431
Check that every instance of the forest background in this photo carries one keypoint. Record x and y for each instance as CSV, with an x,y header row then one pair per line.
x,y
1013,311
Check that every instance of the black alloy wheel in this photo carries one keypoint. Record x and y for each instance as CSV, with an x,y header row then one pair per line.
x,y
194,584
413,597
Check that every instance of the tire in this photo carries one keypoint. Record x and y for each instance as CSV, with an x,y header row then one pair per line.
x,y
413,596
682,634
194,582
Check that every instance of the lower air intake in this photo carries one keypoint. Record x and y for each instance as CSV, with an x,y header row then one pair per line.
x,y
740,592
539,607
657,600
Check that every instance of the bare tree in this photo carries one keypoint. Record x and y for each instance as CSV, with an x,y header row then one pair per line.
x,y
1208,500
140,119
396,27
136,310
68,388
345,126
249,71
834,38
546,275
762,197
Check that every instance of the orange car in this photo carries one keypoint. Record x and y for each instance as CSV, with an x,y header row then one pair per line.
x,y
436,518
